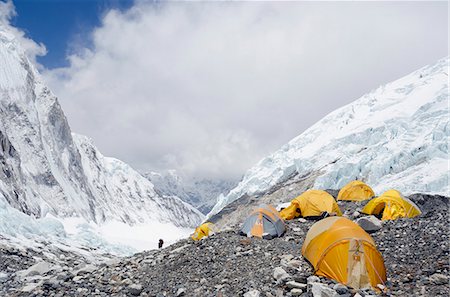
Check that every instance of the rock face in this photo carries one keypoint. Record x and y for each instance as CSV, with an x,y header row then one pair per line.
x,y
394,137
44,168
226,264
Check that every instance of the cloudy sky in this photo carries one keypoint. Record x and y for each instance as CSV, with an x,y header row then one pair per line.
x,y
211,88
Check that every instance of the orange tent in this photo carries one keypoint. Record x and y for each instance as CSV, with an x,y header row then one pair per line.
x,y
264,222
339,249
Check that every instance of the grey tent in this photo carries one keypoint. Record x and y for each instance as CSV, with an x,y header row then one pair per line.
x,y
264,222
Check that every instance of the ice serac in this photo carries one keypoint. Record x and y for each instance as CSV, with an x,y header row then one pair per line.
x,y
394,137
44,169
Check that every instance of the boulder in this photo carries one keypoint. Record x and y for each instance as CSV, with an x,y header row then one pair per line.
x,y
280,274
252,293
341,289
296,292
439,279
29,287
295,285
37,269
181,292
369,224
313,279
322,290
135,289
297,264
89,268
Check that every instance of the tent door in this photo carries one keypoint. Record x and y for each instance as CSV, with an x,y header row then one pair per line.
x,y
357,276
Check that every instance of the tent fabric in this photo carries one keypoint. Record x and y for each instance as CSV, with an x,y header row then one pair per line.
x,y
392,205
312,203
202,231
264,222
339,249
355,191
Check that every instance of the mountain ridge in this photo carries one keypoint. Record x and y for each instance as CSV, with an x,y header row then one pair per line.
x,y
45,170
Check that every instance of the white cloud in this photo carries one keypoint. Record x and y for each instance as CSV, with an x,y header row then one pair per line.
x,y
32,49
210,88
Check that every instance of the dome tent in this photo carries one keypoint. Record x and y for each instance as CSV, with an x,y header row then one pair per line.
x,y
202,231
355,191
312,203
263,222
339,249
392,205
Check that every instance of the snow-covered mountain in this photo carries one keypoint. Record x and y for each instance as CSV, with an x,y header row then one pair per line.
x,y
394,137
46,170
201,193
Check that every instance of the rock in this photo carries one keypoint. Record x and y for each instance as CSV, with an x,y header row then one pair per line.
x,y
341,289
3,276
280,274
297,264
86,269
136,289
439,279
252,293
381,287
312,279
29,287
37,269
284,259
287,257
322,290
181,292
51,283
295,285
369,223
296,292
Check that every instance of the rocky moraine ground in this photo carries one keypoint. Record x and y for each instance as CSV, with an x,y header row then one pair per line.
x,y
416,254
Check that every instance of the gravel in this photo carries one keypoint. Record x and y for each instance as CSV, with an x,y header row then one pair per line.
x,y
415,251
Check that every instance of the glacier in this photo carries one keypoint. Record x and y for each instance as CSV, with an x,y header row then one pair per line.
x,y
198,192
393,137
51,175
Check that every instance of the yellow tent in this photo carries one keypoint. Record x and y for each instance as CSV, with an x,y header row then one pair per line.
x,y
339,249
355,191
393,206
312,203
202,231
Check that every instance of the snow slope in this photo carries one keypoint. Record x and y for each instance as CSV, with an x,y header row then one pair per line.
x,y
46,171
394,137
